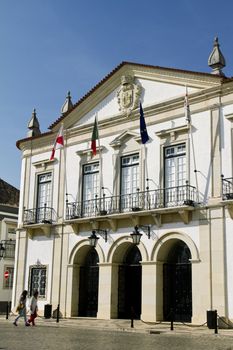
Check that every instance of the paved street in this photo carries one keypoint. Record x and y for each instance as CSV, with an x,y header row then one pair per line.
x,y
68,336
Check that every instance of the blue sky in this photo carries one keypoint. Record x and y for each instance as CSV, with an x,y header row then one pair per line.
x,y
48,47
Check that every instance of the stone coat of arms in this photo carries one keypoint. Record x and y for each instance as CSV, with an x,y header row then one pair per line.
x,y
129,94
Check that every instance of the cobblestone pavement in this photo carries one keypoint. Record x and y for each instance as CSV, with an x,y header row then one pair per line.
x,y
87,334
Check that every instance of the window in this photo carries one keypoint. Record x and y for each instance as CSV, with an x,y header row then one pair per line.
x,y
38,280
175,173
8,282
129,174
129,180
90,188
44,197
11,231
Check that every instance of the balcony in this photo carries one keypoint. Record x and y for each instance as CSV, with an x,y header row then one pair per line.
x,y
159,200
227,188
7,249
39,218
43,215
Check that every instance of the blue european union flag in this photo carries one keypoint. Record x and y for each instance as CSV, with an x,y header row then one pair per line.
x,y
143,130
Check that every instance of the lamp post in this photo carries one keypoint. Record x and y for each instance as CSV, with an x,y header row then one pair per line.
x,y
93,239
136,235
2,250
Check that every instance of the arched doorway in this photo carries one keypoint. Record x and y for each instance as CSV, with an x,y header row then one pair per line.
x,y
88,285
177,283
129,284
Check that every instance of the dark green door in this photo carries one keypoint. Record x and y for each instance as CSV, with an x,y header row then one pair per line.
x,y
129,285
177,284
88,286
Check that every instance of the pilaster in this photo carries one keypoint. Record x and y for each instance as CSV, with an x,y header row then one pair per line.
x,y
151,298
20,266
108,287
215,153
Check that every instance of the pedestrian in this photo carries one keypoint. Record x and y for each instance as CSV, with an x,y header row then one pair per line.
x,y
33,308
21,309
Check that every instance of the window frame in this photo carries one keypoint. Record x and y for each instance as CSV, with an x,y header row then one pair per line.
x,y
38,185
30,289
174,156
129,166
88,173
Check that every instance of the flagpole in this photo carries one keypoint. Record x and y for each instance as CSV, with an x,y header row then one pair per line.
x,y
65,169
145,161
144,139
100,159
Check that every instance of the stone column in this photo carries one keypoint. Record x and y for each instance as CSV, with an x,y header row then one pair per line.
x,y
201,273
218,261
108,291
151,294
55,282
20,266
72,299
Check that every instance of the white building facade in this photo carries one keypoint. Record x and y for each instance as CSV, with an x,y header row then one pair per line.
x,y
171,190
9,200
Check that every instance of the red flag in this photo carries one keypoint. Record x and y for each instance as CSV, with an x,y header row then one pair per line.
x,y
95,136
59,142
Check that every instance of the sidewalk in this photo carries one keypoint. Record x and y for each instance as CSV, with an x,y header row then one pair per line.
x,y
125,326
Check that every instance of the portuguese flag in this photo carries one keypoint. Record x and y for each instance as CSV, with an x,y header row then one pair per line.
x,y
95,136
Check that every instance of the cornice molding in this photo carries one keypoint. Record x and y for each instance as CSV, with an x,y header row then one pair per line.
x,y
171,131
154,114
229,116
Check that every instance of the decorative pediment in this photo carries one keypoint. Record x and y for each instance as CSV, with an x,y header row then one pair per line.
x,y
43,164
125,136
229,116
88,151
172,133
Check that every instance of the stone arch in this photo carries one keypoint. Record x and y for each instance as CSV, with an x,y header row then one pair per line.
x,y
172,277
83,247
163,244
119,247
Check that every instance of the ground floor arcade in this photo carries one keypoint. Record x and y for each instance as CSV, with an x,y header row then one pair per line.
x,y
130,283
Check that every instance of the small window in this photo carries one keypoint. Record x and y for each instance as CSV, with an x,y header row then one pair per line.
x,y
91,168
130,160
45,177
8,282
38,280
11,231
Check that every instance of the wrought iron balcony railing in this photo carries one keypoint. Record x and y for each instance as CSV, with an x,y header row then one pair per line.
x,y
43,215
227,188
146,200
7,249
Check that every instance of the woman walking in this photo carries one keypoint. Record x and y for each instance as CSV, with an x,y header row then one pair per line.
x,y
21,308
33,308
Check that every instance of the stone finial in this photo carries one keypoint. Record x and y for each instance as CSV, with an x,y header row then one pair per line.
x,y
33,125
216,59
67,104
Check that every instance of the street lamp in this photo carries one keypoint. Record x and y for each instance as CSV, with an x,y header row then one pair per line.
x,y
136,235
2,250
93,239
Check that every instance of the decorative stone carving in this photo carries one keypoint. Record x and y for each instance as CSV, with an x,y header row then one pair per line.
x,y
33,125
216,60
129,94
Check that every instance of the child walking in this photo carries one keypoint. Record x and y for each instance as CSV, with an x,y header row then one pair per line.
x,y
21,308
33,308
